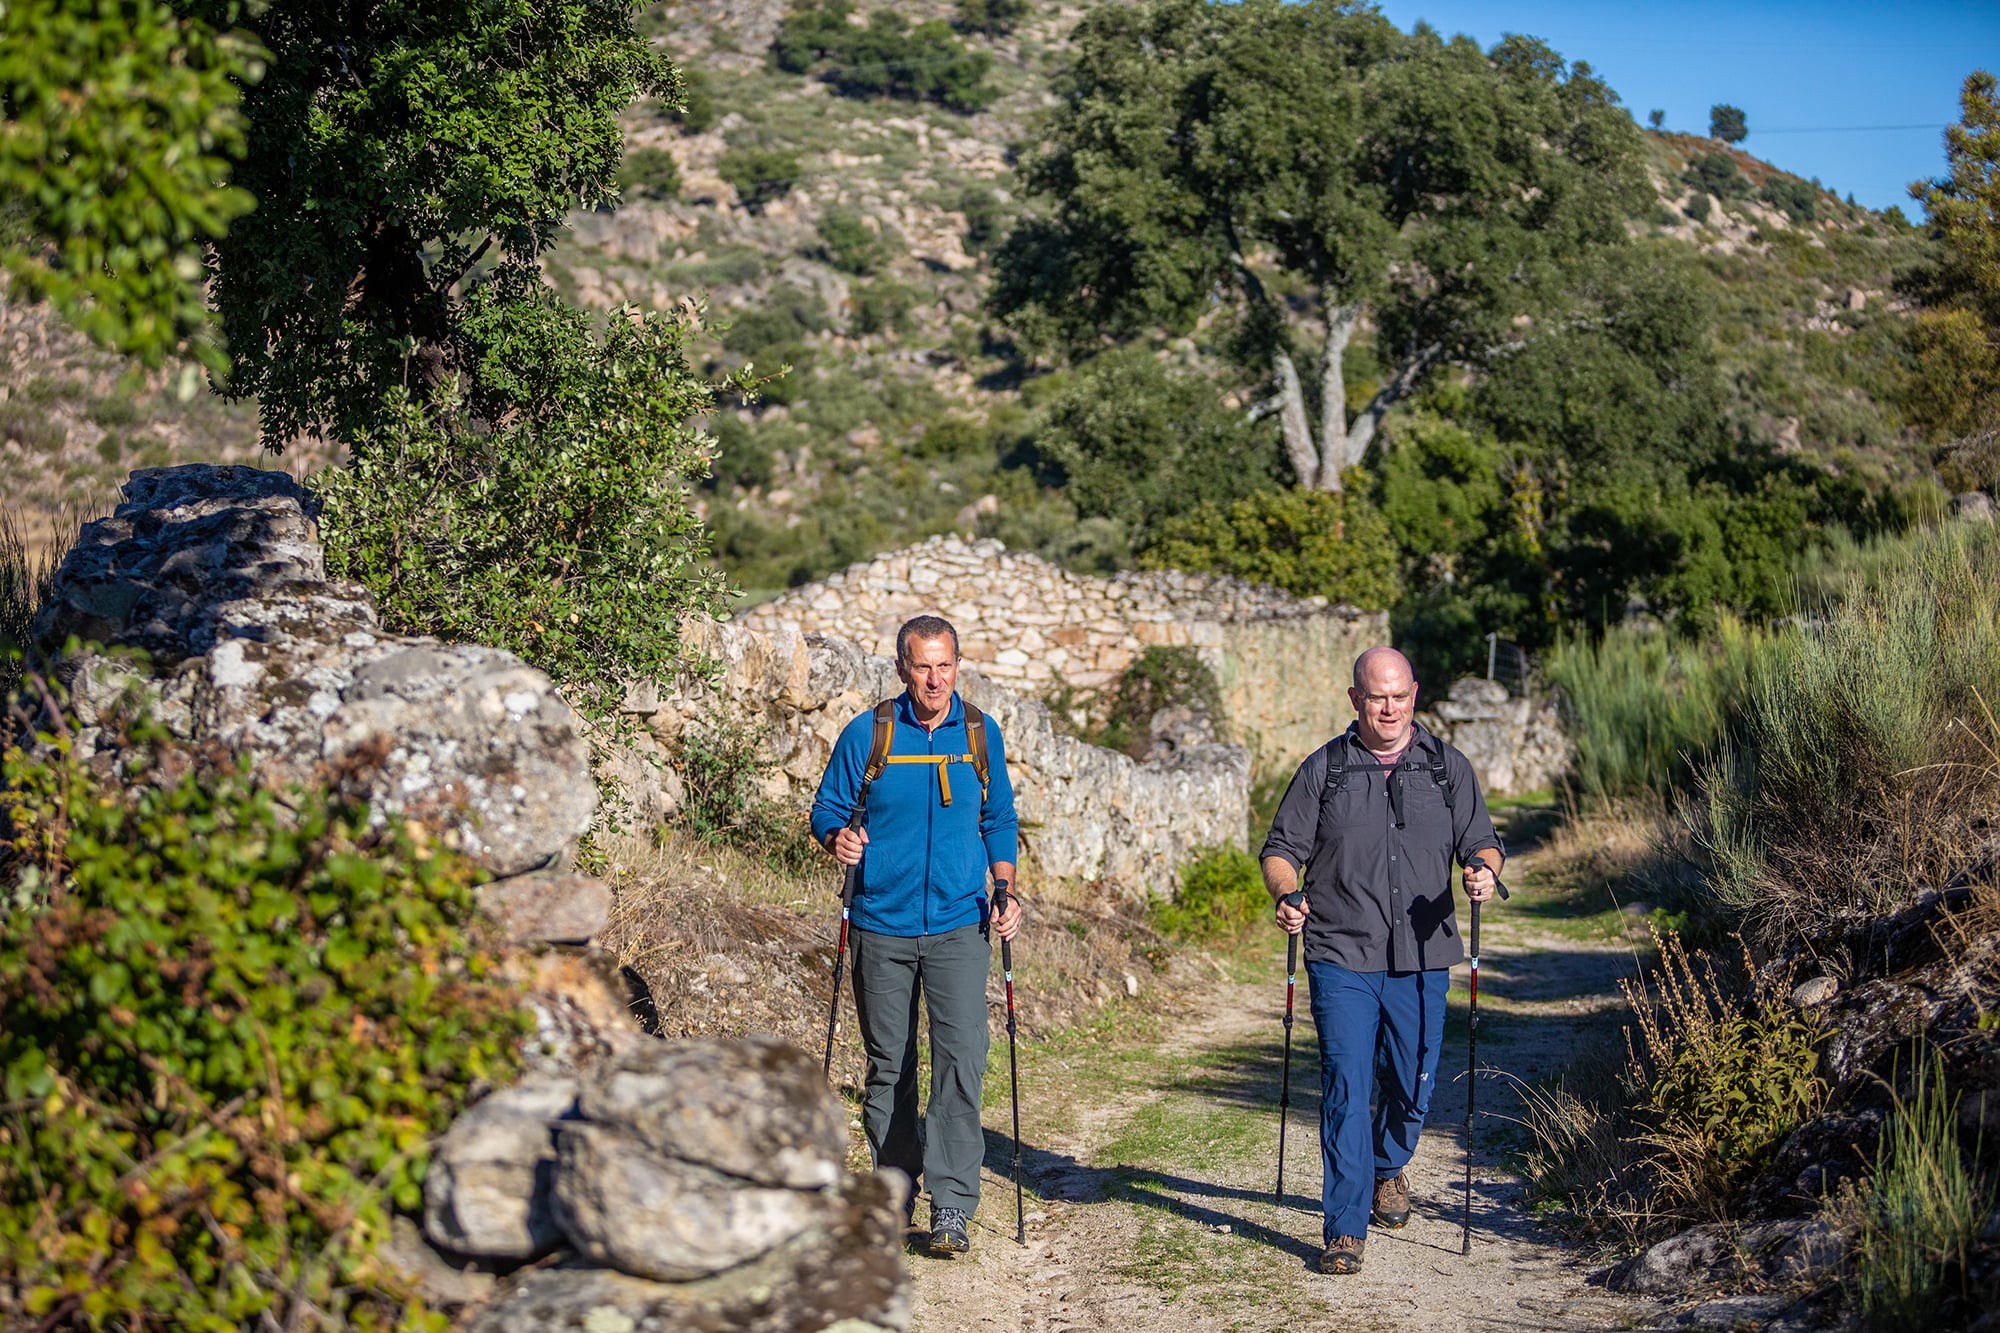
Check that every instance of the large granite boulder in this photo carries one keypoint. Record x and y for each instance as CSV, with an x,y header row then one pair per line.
x,y
488,1188
210,587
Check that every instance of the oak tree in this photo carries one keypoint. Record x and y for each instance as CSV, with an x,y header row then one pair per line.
x,y
1306,173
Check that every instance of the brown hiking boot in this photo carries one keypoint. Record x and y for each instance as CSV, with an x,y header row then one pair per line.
x,y
1392,1202
1343,1256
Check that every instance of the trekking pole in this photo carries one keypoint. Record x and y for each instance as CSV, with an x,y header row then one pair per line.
x,y
847,882
1292,899
1013,1059
1472,1054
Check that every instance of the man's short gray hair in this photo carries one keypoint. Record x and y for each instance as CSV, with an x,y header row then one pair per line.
x,y
924,627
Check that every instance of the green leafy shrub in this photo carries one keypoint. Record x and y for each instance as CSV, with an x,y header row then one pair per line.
x,y
886,58
1799,200
879,306
758,175
1221,894
1312,543
697,112
985,223
847,243
1920,1215
1717,174
1713,1083
1161,677
1972,464
563,533
722,765
650,173
995,18
227,1032
1144,444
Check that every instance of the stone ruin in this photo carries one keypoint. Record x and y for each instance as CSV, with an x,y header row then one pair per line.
x,y
1282,662
653,1185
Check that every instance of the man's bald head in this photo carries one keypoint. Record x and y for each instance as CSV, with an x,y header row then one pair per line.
x,y
1384,698
1379,659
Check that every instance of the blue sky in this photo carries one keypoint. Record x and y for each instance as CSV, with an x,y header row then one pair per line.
x,y
1791,66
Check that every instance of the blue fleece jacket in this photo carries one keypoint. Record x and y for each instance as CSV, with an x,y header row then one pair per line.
x,y
925,868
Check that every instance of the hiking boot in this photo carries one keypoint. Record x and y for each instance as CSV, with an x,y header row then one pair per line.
x,y
948,1231
1343,1256
1392,1202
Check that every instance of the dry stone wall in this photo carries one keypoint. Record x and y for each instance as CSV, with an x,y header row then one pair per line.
x,y
1087,813
1282,661
1516,745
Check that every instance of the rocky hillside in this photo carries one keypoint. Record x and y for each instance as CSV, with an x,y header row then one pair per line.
x,y
905,400
848,237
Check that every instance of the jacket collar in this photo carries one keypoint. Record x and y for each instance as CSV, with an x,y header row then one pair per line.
x,y
906,711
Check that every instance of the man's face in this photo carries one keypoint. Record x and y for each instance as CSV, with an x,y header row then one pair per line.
x,y
931,672
1385,701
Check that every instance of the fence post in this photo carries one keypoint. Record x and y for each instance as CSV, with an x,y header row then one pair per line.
x,y
1492,647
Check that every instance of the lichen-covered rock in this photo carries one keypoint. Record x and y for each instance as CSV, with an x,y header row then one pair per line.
x,y
548,907
487,1192
753,1107
1514,745
843,1271
625,1206
216,575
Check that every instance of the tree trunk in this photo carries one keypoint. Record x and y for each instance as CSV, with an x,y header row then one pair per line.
x,y
1334,447
1293,421
1399,387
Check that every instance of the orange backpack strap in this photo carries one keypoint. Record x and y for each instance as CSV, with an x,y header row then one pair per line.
x,y
878,747
975,741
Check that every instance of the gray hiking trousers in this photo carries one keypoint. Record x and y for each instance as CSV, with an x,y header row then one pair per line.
x,y
949,970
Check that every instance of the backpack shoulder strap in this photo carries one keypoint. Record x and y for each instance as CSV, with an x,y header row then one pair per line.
x,y
1336,764
975,741
878,746
1440,773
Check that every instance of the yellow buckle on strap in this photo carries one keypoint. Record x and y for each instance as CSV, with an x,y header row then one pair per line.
x,y
944,783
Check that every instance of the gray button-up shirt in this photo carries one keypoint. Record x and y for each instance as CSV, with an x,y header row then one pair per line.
x,y
1381,895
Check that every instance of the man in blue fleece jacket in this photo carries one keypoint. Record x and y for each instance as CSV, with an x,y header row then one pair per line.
x,y
920,918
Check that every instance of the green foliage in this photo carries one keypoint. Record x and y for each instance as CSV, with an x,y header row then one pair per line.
x,y
1880,720
1727,123
394,152
722,765
227,1032
1163,676
562,533
696,113
1312,543
1645,711
1799,200
649,173
983,217
1957,389
847,243
117,127
1972,464
1143,444
1921,1213
995,18
886,58
759,175
879,306
1716,173
1315,165
1221,895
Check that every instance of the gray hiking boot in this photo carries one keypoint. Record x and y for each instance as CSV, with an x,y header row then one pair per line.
x,y
1343,1256
948,1231
1392,1202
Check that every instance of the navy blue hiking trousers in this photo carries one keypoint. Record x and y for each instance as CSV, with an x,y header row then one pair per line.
x,y
1369,1021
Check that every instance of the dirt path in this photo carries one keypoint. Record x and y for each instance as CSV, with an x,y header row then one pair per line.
x,y
1151,1169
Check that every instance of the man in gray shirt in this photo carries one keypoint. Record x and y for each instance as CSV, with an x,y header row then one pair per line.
x,y
1375,820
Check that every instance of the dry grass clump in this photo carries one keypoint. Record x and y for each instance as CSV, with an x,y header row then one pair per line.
x,y
1713,1081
